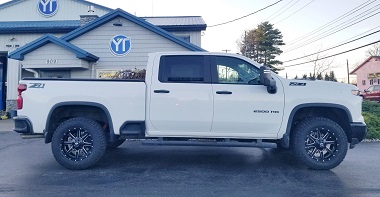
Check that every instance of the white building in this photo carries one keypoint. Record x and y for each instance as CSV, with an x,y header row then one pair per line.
x,y
80,39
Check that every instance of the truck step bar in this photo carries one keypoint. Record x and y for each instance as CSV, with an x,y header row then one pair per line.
x,y
224,143
31,136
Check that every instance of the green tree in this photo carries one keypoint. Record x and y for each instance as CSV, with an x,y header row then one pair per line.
x,y
332,76
319,76
327,77
262,45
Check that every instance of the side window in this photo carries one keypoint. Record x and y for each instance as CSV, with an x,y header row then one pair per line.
x,y
370,89
182,69
376,88
236,71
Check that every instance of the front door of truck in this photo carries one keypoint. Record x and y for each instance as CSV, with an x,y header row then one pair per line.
x,y
242,105
181,99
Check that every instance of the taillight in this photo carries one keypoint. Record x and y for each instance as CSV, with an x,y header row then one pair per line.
x,y
21,88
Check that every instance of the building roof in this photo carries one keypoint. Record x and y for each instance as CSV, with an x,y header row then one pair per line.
x,y
13,2
178,23
121,13
80,53
38,26
362,64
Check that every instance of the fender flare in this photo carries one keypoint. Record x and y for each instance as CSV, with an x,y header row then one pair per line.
x,y
48,134
285,141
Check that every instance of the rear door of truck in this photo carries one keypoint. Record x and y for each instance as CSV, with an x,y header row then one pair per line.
x,y
181,99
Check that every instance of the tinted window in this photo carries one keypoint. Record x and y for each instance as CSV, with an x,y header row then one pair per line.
x,y
236,71
182,69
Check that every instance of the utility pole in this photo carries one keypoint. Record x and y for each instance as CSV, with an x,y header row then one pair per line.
x,y
348,73
245,44
226,50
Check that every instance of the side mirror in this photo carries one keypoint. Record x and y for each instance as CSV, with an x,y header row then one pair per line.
x,y
267,80
366,91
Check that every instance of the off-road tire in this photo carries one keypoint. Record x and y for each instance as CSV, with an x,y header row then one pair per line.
x,y
78,143
320,143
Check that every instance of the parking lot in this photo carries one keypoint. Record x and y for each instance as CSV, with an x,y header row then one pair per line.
x,y
27,168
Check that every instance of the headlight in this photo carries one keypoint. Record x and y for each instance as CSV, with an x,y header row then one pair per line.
x,y
355,92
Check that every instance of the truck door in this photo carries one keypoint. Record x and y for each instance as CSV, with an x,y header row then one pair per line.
x,y
181,99
242,105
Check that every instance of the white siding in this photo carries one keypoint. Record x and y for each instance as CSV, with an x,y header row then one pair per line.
x,y
143,42
17,39
58,57
67,10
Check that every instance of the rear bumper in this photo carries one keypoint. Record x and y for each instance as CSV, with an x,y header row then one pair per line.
x,y
358,133
23,125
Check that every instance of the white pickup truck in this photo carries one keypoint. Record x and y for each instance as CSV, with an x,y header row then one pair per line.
x,y
193,98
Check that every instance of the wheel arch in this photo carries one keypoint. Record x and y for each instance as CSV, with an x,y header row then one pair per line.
x,y
338,113
101,114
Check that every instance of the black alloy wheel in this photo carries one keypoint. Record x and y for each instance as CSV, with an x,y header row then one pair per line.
x,y
78,143
320,143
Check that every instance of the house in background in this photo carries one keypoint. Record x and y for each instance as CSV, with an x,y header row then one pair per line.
x,y
368,73
27,22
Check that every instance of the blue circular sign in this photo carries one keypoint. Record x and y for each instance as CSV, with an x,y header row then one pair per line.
x,y
48,8
120,45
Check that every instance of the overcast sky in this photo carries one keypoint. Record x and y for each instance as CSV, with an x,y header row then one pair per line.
x,y
315,14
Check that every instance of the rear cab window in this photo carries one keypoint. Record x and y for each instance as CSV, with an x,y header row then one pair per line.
x,y
184,69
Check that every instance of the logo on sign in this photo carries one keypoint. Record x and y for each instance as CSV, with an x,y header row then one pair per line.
x,y
120,45
48,7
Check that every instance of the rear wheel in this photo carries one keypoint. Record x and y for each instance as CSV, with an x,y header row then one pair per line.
x,y
78,143
320,143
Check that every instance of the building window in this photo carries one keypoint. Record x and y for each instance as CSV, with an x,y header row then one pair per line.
x,y
186,38
378,81
58,74
363,82
371,82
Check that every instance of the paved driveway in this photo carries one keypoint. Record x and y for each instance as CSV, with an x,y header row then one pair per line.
x,y
27,168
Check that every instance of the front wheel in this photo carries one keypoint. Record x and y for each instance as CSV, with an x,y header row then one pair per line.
x,y
78,143
320,143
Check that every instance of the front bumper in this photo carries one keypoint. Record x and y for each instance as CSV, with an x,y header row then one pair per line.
x,y
358,133
23,125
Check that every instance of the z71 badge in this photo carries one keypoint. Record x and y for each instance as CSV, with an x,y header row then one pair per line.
x,y
37,85
297,84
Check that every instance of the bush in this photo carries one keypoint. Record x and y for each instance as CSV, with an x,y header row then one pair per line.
x,y
373,125
371,114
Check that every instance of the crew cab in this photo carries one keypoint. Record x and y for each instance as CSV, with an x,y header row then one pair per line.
x,y
193,98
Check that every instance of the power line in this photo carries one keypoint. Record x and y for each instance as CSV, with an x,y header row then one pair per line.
x,y
331,22
246,15
357,35
285,10
333,47
295,12
333,55
267,19
349,22
303,44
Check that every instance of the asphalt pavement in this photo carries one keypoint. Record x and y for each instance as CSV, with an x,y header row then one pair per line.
x,y
28,168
